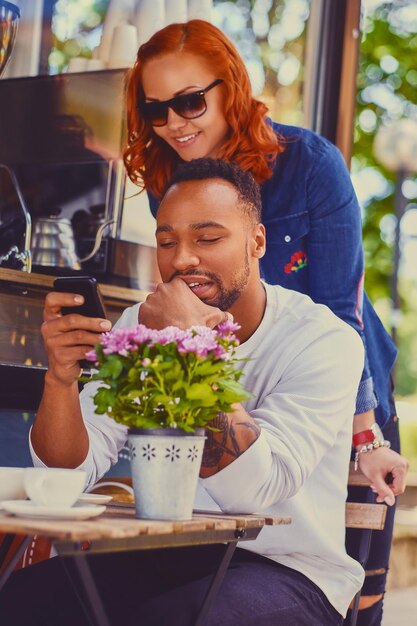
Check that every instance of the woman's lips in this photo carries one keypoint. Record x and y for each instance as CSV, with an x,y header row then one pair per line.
x,y
186,140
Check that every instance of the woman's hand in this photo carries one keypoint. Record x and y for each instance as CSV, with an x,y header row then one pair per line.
x,y
380,464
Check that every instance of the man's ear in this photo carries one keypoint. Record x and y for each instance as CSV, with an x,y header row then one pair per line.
x,y
259,241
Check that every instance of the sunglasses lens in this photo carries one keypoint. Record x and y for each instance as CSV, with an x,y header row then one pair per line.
x,y
156,113
190,105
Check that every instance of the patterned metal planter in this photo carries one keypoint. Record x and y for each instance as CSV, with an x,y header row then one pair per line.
x,y
165,468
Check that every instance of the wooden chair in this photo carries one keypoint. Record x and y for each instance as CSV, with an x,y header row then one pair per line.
x,y
366,517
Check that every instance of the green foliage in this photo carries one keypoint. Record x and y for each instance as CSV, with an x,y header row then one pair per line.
x,y
380,40
406,367
408,435
387,82
72,29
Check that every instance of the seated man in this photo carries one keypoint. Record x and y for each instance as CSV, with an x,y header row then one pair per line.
x,y
285,452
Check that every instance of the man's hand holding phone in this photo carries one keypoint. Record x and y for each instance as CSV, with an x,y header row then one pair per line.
x,y
67,334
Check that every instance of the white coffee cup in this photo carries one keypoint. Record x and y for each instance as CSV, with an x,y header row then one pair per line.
x,y
149,17
11,483
124,46
175,11
94,65
54,487
77,64
200,10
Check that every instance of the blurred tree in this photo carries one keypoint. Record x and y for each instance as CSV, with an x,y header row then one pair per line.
x,y
76,29
270,36
387,82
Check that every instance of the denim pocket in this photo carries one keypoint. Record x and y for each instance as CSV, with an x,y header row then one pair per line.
x,y
286,260
287,230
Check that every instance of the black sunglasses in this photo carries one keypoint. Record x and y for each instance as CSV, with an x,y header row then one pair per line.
x,y
188,106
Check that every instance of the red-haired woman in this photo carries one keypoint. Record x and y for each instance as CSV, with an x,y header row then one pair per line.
x,y
189,96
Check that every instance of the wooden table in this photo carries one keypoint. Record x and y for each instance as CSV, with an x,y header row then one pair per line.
x,y
118,530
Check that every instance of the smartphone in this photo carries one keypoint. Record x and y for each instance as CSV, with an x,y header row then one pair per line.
x,y
87,287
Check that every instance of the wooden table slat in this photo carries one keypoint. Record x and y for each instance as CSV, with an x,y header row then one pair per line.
x,y
118,523
248,521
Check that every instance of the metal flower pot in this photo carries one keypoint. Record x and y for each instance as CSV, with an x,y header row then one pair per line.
x,y
165,468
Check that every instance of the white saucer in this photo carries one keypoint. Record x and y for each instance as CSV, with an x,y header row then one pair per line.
x,y
94,498
26,508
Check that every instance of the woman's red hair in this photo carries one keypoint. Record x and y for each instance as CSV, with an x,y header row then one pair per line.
x,y
251,142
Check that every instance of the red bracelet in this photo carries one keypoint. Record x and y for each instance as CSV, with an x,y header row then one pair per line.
x,y
364,436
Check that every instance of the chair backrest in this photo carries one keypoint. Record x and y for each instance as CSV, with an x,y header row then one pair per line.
x,y
366,517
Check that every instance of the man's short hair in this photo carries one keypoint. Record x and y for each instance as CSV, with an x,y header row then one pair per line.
x,y
206,168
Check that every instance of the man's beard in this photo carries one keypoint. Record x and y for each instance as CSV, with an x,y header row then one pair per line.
x,y
226,297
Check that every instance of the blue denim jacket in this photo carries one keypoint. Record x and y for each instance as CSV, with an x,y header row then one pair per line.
x,y
314,245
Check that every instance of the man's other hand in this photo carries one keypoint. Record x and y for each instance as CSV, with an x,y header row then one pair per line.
x,y
174,304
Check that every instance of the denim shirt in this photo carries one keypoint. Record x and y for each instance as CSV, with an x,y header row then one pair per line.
x,y
314,246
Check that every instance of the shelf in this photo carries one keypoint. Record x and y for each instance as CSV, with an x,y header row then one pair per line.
x,y
45,282
21,314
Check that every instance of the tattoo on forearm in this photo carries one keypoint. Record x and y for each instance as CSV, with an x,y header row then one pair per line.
x,y
227,443
216,442
251,426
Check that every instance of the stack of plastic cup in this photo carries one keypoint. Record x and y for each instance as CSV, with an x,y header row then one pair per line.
x,y
124,46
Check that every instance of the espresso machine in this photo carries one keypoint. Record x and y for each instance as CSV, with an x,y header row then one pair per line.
x,y
62,178
61,172
9,19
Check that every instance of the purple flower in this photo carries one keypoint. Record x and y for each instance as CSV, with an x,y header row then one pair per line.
x,y
199,340
221,353
170,334
124,340
117,341
142,334
203,331
193,345
91,355
226,330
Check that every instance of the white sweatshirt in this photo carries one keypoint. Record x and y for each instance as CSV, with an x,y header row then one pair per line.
x,y
304,370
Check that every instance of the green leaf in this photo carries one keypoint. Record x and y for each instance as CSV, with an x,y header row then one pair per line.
x,y
112,368
199,391
104,399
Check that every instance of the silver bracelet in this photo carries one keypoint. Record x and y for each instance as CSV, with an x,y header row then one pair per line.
x,y
369,447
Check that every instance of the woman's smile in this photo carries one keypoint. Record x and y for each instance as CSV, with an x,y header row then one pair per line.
x,y
186,140
180,73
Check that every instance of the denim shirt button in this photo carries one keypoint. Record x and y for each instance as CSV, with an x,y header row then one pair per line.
x,y
287,238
